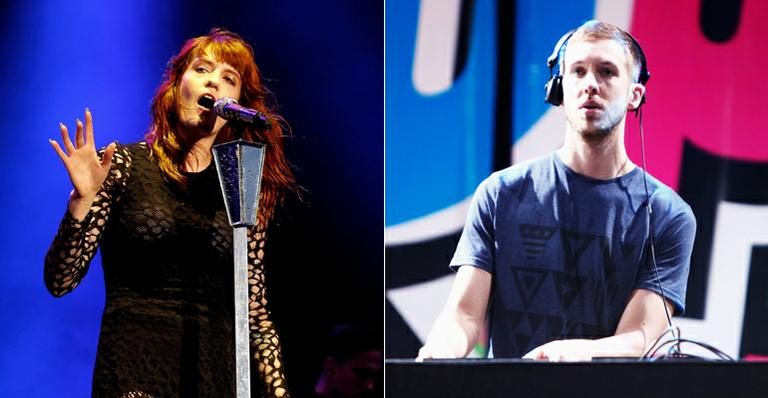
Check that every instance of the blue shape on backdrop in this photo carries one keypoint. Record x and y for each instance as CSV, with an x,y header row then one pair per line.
x,y
438,148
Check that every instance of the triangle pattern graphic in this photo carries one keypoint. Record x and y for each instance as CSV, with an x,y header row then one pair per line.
x,y
528,282
568,288
574,244
513,318
534,238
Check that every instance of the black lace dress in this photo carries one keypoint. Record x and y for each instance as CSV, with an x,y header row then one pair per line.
x,y
167,328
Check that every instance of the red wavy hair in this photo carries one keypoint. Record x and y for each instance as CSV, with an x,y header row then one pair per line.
x,y
163,137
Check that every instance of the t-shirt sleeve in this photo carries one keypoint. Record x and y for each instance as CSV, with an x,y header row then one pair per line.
x,y
476,246
674,227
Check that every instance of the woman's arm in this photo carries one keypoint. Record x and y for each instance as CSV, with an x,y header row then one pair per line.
x,y
264,339
97,180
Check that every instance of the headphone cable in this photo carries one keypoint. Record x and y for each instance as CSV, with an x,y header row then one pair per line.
x,y
651,240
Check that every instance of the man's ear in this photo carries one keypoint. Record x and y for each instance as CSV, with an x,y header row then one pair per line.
x,y
636,93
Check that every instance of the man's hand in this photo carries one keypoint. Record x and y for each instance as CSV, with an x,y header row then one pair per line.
x,y
564,351
427,352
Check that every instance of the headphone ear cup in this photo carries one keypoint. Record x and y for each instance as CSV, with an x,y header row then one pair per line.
x,y
554,90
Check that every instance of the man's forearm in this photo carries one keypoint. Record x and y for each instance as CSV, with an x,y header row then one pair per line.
x,y
452,336
629,344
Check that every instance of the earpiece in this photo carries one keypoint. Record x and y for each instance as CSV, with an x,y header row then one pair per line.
x,y
553,89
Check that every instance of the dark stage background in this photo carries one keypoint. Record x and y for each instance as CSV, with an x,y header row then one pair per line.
x,y
323,61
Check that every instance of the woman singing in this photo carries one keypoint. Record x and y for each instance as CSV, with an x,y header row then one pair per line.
x,y
156,210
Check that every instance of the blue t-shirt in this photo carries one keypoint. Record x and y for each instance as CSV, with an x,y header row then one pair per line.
x,y
566,250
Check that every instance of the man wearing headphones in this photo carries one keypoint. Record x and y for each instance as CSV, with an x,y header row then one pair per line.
x,y
577,254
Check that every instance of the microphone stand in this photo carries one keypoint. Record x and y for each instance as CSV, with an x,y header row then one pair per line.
x,y
239,164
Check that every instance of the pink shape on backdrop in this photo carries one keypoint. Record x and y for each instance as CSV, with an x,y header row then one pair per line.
x,y
710,93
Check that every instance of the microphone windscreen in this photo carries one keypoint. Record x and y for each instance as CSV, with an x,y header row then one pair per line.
x,y
221,103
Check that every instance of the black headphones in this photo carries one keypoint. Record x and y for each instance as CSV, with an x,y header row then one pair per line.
x,y
554,88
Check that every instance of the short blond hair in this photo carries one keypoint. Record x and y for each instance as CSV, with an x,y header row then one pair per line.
x,y
597,30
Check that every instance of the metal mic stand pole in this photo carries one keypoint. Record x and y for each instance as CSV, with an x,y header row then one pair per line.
x,y
239,164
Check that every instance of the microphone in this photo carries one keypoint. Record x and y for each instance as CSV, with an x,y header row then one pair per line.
x,y
228,108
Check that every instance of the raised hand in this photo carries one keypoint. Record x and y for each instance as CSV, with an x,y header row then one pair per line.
x,y
86,171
